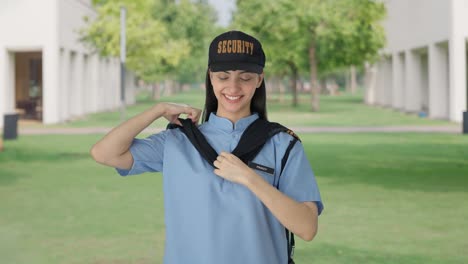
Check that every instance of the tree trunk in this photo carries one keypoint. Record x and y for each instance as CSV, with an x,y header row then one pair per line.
x,y
315,91
293,83
268,85
156,92
281,90
178,87
168,87
353,79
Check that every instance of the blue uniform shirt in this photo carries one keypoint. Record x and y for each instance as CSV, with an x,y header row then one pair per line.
x,y
211,220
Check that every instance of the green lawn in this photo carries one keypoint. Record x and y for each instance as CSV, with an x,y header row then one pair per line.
x,y
389,198
343,110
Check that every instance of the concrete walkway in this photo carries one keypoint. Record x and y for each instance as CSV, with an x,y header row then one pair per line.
x,y
383,129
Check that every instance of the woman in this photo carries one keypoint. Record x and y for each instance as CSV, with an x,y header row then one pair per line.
x,y
233,213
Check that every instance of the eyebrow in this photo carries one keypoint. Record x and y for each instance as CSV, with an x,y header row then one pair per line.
x,y
239,73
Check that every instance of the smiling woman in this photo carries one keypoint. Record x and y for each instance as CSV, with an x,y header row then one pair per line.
x,y
234,91
228,209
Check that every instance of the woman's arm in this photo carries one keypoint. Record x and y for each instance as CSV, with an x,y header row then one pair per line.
x,y
299,218
113,149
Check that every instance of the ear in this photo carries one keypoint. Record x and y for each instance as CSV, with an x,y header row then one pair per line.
x,y
210,73
260,79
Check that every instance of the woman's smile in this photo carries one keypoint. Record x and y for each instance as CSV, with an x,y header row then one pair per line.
x,y
233,98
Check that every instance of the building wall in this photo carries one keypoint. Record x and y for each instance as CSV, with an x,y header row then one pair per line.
x,y
75,80
25,26
427,40
413,24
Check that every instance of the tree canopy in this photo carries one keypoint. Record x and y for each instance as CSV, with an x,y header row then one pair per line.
x,y
170,38
318,36
164,37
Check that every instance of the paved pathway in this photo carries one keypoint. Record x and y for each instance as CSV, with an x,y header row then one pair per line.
x,y
384,129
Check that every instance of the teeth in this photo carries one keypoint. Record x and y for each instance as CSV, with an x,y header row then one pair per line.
x,y
232,97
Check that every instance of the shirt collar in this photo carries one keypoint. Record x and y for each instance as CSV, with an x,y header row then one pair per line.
x,y
226,125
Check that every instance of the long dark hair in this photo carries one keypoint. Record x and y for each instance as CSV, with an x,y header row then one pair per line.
x,y
257,105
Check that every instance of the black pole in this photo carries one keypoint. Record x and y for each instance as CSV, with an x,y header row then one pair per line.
x,y
465,122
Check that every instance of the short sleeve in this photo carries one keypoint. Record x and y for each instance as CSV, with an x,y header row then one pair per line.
x,y
148,154
298,180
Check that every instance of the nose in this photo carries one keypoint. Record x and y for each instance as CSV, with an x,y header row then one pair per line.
x,y
233,85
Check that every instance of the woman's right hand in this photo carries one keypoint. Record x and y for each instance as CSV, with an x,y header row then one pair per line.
x,y
172,111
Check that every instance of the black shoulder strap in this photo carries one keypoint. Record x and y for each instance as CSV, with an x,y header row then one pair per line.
x,y
197,139
254,138
250,143
289,235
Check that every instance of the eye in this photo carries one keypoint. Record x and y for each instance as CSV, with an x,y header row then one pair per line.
x,y
246,77
222,77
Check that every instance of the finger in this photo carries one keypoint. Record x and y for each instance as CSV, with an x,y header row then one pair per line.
x,y
192,115
224,154
227,155
188,110
217,172
175,120
195,115
217,164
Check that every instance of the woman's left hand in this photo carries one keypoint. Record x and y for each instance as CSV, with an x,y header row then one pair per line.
x,y
232,168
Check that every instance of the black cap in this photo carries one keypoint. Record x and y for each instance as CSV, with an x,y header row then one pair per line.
x,y
235,50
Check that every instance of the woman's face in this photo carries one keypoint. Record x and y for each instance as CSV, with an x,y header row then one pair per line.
x,y
234,91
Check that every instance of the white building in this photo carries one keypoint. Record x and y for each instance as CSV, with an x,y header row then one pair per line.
x,y
46,74
424,65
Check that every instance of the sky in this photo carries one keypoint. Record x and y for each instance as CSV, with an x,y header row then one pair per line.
x,y
224,8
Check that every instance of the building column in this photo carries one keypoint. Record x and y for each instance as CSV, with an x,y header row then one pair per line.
x,y
64,97
398,80
380,79
72,86
94,82
412,85
7,82
438,81
387,82
424,80
78,84
457,75
51,98
370,83
457,61
3,82
85,84
102,99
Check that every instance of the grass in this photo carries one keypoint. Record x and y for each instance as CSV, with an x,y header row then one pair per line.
x,y
389,198
343,110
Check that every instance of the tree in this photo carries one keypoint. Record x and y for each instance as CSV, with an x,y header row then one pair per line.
x,y
193,22
328,34
274,25
165,38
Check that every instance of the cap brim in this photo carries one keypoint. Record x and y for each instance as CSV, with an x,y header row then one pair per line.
x,y
232,66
